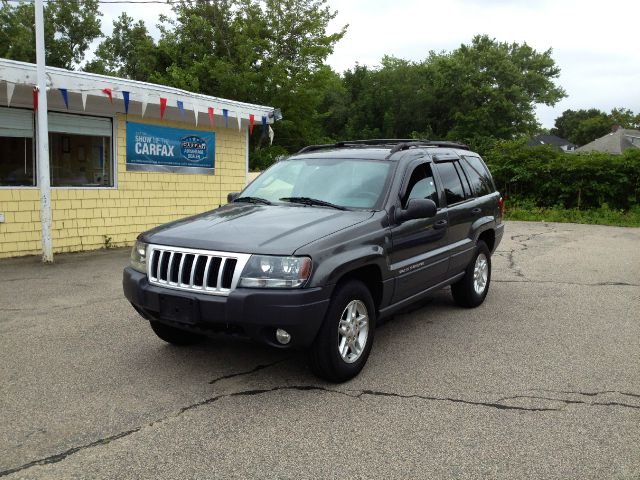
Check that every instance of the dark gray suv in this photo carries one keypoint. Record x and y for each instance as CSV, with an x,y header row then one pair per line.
x,y
322,246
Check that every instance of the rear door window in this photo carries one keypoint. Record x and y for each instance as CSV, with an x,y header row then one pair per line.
x,y
451,182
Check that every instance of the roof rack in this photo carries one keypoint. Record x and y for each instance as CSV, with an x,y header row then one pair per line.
x,y
396,144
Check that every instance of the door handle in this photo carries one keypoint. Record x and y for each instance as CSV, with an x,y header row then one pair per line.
x,y
440,224
476,211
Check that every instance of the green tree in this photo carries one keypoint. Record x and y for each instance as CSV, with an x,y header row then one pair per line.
x,y
584,126
69,29
591,128
129,52
485,89
270,52
625,118
581,126
491,88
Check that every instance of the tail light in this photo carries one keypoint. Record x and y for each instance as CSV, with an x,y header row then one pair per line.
x,y
501,206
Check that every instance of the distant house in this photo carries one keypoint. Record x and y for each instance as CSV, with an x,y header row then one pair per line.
x,y
616,142
544,139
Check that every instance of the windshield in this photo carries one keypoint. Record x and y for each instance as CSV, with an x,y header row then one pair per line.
x,y
351,183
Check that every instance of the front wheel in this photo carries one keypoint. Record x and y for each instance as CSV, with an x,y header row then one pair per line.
x,y
471,290
343,344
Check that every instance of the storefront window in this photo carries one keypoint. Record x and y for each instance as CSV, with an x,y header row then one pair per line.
x,y
80,150
16,148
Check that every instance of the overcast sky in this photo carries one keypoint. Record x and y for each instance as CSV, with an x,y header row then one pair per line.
x,y
594,43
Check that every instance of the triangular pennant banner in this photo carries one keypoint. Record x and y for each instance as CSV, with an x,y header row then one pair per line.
x,y
84,100
35,99
264,124
163,107
180,107
65,97
195,112
225,112
10,88
125,97
239,120
251,120
145,100
211,117
108,93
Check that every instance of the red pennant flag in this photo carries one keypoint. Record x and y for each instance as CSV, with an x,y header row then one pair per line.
x,y
251,119
163,106
107,91
35,99
211,117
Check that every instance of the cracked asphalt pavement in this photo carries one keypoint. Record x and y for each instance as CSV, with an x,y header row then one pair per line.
x,y
541,381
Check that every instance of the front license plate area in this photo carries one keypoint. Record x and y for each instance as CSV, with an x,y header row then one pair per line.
x,y
178,309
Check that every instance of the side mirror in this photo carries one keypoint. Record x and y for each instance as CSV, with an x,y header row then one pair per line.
x,y
232,196
417,208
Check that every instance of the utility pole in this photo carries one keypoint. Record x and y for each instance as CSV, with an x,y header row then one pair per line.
x,y
44,180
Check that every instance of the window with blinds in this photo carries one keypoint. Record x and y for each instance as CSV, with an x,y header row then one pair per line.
x,y
17,158
80,150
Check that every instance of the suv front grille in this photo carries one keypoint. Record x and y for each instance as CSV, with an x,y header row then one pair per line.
x,y
202,271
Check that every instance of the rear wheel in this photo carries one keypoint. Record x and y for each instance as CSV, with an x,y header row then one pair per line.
x,y
343,344
471,290
173,335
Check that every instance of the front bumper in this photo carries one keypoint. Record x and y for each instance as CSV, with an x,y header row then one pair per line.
x,y
253,313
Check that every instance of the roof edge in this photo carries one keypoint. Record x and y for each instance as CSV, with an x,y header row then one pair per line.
x,y
24,73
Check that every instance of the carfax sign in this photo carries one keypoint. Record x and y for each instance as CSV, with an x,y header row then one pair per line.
x,y
153,148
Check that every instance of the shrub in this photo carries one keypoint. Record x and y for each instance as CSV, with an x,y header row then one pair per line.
x,y
548,177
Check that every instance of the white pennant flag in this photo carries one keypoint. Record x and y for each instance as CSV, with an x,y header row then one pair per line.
x,y
10,88
84,100
145,100
271,135
195,112
239,120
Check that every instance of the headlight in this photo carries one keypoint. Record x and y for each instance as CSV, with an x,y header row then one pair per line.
x,y
139,257
266,271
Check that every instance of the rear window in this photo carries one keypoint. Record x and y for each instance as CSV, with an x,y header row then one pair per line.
x,y
479,176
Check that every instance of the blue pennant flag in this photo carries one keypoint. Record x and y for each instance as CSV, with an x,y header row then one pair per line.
x,y
125,96
65,96
264,124
225,112
180,107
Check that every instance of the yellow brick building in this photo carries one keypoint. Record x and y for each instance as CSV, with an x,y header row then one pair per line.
x,y
116,203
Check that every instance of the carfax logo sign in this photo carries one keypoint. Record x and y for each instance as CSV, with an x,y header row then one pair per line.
x,y
193,148
154,148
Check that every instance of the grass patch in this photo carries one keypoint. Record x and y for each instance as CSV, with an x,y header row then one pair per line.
x,y
597,216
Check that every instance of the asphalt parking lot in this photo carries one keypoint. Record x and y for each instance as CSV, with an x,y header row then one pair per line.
x,y
541,381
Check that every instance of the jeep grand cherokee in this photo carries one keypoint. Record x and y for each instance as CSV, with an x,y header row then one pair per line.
x,y
322,246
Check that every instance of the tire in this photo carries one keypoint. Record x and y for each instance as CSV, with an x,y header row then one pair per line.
x,y
467,292
325,358
174,336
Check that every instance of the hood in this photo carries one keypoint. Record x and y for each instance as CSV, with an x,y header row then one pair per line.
x,y
250,228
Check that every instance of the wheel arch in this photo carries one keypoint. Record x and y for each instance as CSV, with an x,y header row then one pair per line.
x,y
371,276
485,230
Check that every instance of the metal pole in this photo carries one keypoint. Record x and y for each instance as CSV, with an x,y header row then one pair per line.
x,y
44,180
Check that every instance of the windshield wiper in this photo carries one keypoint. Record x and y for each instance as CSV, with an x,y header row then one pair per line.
x,y
312,201
262,201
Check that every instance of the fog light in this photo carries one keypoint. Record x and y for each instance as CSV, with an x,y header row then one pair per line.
x,y
283,336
